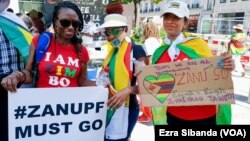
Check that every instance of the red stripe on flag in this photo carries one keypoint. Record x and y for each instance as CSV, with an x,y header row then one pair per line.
x,y
127,60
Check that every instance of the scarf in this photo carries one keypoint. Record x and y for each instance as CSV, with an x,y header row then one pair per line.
x,y
122,79
123,65
190,45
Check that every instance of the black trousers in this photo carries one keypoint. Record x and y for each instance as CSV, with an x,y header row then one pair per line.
x,y
3,114
172,120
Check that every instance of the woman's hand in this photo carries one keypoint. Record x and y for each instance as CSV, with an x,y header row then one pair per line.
x,y
227,62
118,99
11,81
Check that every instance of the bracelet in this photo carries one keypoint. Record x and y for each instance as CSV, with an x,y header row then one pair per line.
x,y
24,74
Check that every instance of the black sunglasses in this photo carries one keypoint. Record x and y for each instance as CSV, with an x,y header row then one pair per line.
x,y
66,23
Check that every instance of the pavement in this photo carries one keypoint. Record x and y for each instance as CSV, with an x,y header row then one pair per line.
x,y
240,110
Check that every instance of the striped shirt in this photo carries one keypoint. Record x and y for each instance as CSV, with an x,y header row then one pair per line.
x,y
10,58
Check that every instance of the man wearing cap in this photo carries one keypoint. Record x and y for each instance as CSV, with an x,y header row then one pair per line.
x,y
12,45
124,109
178,46
238,48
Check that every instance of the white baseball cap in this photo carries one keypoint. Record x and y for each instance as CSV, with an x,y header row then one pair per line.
x,y
113,20
178,8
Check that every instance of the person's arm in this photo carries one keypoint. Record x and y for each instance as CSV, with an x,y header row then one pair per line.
x,y
82,79
29,65
144,59
119,98
12,81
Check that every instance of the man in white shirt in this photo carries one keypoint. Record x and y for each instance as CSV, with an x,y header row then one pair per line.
x,y
88,31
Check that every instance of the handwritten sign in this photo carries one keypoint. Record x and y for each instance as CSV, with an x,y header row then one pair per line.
x,y
53,114
190,82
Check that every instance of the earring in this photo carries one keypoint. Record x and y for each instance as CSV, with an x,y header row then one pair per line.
x,y
78,36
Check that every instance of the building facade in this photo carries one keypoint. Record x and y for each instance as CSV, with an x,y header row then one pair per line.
x,y
93,8
149,9
207,16
230,13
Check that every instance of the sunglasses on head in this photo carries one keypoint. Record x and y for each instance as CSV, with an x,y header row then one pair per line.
x,y
67,23
114,31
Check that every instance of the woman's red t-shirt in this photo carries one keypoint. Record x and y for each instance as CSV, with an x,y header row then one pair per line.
x,y
61,66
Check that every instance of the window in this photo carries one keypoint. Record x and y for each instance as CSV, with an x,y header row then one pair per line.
x,y
195,5
209,4
157,7
233,0
26,6
146,8
151,8
223,1
140,8
225,26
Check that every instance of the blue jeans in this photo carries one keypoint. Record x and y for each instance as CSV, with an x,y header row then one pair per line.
x,y
133,115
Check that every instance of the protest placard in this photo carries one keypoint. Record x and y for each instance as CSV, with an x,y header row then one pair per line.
x,y
58,114
190,82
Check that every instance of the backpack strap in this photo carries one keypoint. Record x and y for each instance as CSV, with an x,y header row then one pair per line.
x,y
42,45
41,49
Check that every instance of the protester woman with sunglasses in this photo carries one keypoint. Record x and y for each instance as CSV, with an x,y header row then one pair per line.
x,y
65,62
123,106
